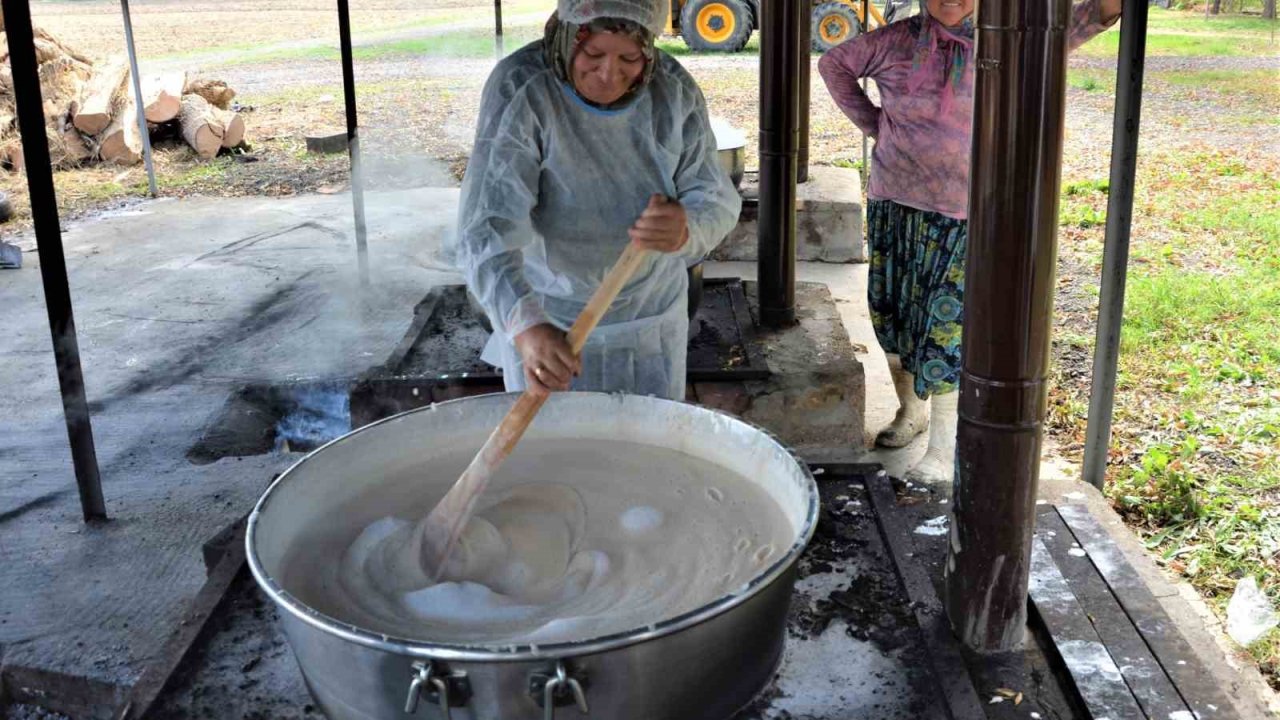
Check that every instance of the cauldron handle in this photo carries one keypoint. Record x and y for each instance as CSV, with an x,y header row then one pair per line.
x,y
545,688
427,674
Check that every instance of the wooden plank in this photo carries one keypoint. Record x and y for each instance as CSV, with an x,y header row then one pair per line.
x,y
1194,683
157,674
1148,682
954,683
1094,670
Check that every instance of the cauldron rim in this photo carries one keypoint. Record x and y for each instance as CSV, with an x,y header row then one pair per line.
x,y
514,652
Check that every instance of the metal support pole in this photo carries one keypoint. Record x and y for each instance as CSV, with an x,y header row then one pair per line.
x,y
353,138
806,60
780,57
497,28
53,264
1018,109
1115,255
137,98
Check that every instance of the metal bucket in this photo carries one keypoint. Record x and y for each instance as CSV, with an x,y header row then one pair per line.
x,y
707,663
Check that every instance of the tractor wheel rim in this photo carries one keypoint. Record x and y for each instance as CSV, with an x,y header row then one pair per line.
x,y
716,23
834,29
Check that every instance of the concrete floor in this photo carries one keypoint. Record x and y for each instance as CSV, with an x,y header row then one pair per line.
x,y
178,303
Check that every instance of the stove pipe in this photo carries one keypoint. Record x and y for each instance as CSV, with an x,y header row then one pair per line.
x,y
1020,63
780,58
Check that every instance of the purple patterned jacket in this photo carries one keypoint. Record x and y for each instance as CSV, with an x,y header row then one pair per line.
x,y
922,125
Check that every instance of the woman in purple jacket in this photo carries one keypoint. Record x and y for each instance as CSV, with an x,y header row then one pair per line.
x,y
917,201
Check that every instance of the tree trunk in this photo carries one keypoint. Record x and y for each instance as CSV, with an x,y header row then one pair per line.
x,y
233,134
67,147
121,142
1215,7
215,92
101,97
202,128
11,155
162,96
1269,9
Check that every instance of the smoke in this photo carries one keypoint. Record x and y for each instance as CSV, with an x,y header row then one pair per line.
x,y
317,414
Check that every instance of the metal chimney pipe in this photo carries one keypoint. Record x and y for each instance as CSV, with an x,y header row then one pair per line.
x,y
1020,63
779,144
806,60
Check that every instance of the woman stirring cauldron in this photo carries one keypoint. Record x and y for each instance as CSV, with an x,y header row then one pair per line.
x,y
589,139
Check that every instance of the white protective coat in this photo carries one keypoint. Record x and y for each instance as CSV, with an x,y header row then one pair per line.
x,y
552,187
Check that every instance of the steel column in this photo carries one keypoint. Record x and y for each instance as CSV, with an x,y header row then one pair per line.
x,y
1115,255
137,97
353,138
53,264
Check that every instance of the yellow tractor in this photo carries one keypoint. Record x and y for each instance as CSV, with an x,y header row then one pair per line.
x,y
726,25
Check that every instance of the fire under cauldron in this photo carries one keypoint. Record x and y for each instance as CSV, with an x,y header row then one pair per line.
x,y
706,663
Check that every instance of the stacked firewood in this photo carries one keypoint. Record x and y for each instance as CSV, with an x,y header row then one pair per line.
x,y
91,114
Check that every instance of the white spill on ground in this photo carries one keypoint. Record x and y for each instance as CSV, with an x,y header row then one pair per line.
x,y
936,526
835,676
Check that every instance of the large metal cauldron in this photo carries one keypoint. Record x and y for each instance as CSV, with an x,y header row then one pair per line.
x,y
707,663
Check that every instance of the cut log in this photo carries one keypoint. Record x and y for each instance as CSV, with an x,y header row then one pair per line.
x,y
215,92
162,96
202,126
75,151
53,44
121,142
101,97
11,155
62,84
233,128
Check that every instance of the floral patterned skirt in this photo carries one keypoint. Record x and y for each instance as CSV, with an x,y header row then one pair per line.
x,y
916,290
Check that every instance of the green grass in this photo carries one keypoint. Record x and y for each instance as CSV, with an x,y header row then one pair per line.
x,y
1198,404
1183,34
1251,87
1186,45
200,174
1084,204
1160,19
255,52
461,44
677,46
1090,80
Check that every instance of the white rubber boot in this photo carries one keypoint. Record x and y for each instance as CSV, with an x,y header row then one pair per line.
x,y
938,463
912,411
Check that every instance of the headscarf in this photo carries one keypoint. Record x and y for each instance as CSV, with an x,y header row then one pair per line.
x,y
561,40
942,50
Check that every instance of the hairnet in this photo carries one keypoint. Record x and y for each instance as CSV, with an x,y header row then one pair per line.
x,y
648,14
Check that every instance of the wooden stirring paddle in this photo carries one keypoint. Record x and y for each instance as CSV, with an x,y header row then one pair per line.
x,y
446,521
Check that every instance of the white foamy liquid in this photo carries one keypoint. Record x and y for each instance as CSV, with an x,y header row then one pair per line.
x,y
571,541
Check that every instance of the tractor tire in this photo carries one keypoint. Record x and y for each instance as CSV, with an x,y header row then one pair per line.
x,y
833,23
716,25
